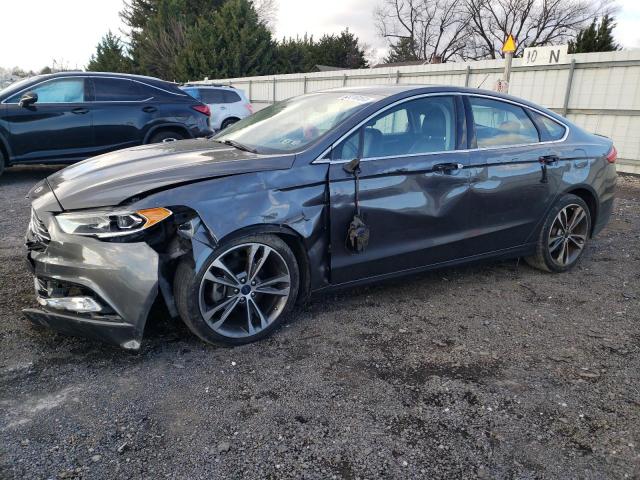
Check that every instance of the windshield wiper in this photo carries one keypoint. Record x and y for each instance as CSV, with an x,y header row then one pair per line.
x,y
238,145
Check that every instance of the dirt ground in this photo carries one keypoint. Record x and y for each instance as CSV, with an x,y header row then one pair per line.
x,y
490,371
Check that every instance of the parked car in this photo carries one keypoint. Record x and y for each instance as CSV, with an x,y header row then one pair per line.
x,y
228,104
326,190
69,116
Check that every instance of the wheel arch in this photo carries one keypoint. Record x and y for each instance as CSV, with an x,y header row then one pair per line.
x,y
590,197
173,127
4,150
293,240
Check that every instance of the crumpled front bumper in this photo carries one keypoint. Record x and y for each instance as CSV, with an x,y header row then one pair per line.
x,y
121,277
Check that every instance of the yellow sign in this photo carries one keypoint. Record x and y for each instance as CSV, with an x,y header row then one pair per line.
x,y
509,45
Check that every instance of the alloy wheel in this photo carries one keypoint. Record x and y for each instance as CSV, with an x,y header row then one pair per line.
x,y
568,235
244,290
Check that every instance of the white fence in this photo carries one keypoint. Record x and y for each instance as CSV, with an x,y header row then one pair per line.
x,y
598,91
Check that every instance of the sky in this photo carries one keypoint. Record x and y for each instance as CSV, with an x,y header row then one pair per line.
x,y
67,31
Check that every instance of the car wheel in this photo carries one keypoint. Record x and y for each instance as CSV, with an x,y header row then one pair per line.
x,y
564,235
166,136
228,122
243,291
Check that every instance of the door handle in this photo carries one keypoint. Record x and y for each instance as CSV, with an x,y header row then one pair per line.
x,y
149,109
544,161
549,159
80,111
447,167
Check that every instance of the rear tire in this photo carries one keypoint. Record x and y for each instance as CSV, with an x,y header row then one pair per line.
x,y
245,289
563,237
166,136
228,122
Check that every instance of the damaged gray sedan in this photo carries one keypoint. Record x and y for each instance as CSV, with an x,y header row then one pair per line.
x,y
327,190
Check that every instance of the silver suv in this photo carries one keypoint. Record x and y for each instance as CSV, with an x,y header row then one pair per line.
x,y
227,104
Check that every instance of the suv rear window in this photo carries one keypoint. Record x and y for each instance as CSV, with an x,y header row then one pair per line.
x,y
117,90
214,95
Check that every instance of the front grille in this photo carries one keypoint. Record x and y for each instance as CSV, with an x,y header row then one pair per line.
x,y
37,236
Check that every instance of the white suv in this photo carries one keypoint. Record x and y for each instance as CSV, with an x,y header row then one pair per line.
x,y
227,104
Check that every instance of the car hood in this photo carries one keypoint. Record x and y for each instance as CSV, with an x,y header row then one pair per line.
x,y
110,179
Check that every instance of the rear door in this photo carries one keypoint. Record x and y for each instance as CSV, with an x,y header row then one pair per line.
x,y
514,174
57,127
122,108
413,190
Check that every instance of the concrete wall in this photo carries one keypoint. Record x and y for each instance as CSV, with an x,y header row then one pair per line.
x,y
598,91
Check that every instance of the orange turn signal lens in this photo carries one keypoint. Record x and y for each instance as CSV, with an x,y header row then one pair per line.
x,y
153,215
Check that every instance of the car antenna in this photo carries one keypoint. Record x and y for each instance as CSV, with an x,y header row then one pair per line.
x,y
484,80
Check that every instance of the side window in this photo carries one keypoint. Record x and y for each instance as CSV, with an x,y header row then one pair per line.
x,y
554,130
193,92
348,148
501,124
117,90
392,123
230,97
64,90
209,95
424,125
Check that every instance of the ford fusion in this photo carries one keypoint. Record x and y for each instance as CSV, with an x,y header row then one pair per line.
x,y
326,190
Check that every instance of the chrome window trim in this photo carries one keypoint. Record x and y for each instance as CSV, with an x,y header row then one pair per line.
x,y
321,160
93,101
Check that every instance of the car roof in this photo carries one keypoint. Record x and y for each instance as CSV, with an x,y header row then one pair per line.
x,y
401,91
130,76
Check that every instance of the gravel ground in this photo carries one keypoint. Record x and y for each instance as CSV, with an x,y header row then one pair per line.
x,y
491,371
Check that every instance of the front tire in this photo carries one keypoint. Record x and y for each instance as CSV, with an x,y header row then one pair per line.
x,y
564,235
243,291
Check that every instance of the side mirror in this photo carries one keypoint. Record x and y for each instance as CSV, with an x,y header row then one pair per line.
x,y
28,99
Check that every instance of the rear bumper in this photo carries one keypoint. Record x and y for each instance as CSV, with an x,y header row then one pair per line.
x,y
121,277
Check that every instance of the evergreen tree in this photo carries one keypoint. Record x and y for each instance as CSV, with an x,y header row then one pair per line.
x,y
402,51
595,38
341,51
231,42
110,56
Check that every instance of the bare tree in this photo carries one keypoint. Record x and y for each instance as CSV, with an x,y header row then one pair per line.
x,y
473,29
430,30
267,11
531,22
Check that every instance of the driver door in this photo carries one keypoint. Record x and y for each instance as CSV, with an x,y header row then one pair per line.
x,y
57,126
413,190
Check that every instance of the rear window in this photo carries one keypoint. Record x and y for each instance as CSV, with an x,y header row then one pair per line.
x,y
554,130
501,124
218,95
117,90
231,97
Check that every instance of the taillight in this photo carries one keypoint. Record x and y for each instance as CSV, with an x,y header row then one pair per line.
x,y
202,109
612,155
250,108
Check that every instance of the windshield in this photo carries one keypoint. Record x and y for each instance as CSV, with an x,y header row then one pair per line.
x,y
291,125
15,86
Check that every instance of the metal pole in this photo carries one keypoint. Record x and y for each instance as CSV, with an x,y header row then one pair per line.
x,y
304,88
397,76
508,59
467,76
344,80
274,89
250,92
567,93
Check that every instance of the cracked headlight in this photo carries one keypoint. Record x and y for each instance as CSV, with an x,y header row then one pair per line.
x,y
110,223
